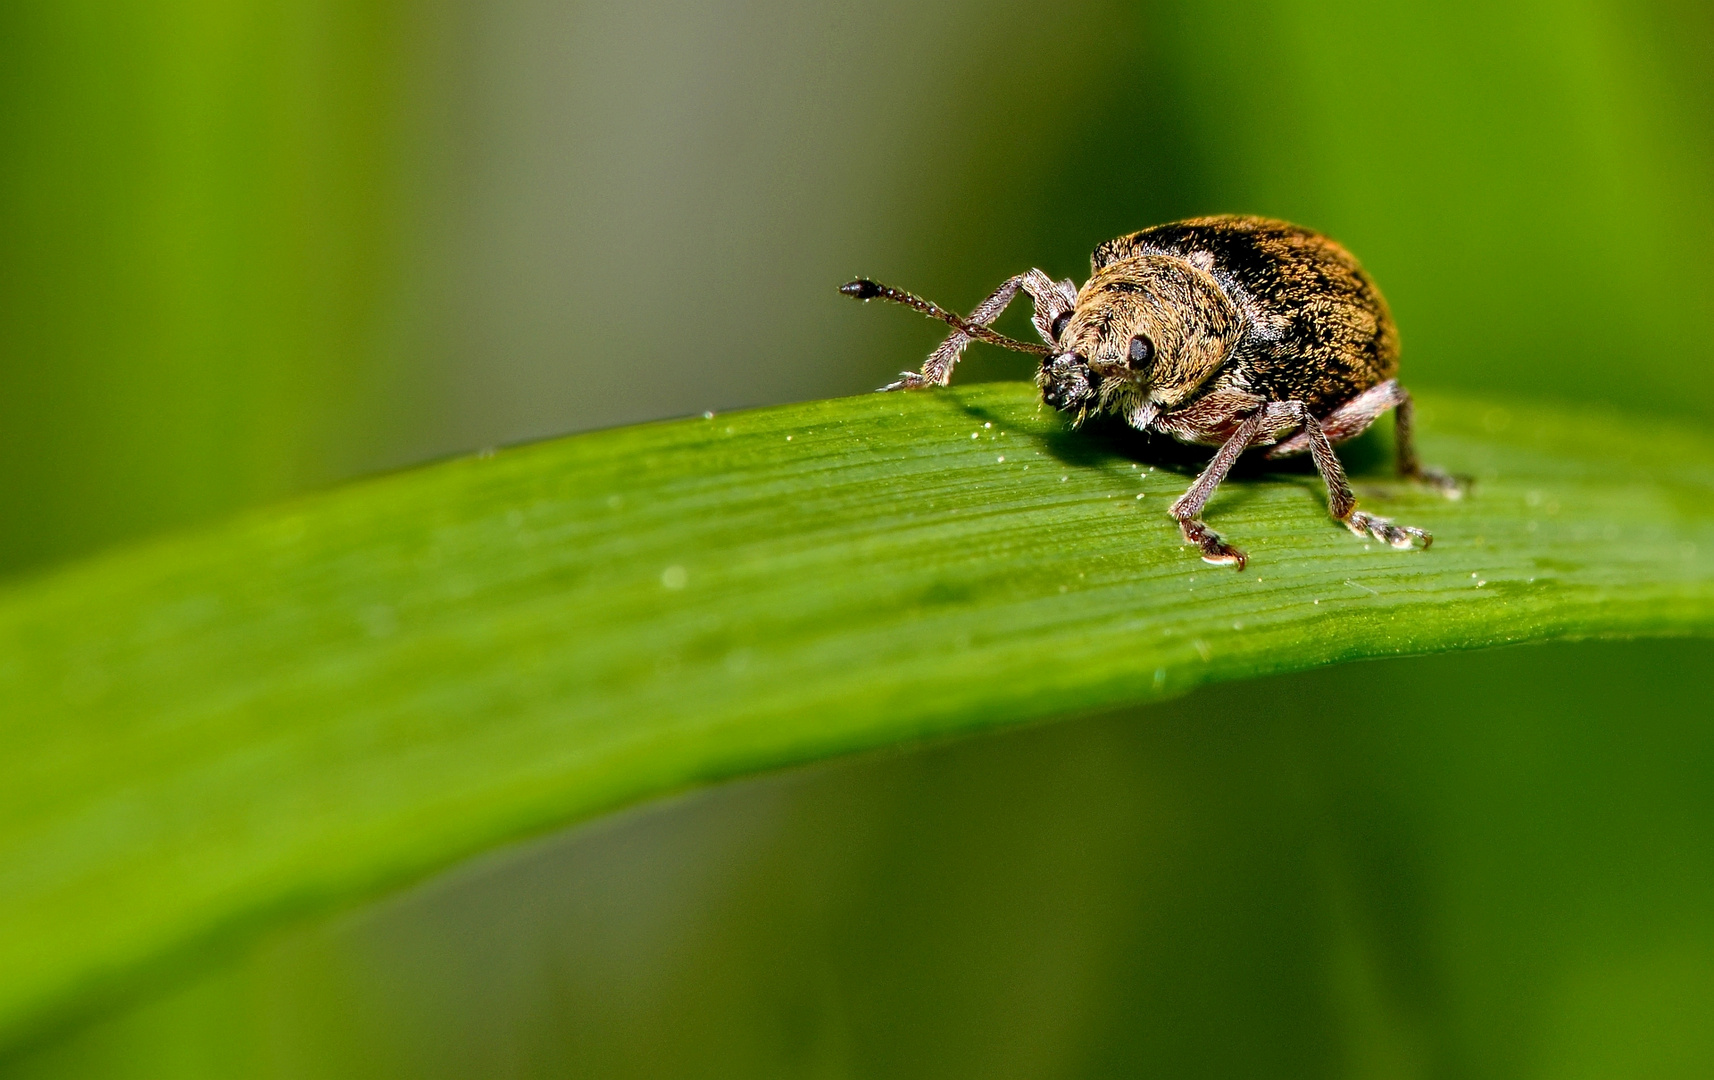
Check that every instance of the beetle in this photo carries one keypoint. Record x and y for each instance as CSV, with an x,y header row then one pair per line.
x,y
1231,331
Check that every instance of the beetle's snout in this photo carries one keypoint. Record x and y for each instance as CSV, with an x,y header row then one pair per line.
x,y
1066,381
1058,395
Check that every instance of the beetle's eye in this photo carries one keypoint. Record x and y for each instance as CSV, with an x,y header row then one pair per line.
x,y
1142,350
1059,322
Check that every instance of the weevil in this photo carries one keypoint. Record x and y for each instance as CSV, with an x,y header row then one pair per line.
x,y
1233,332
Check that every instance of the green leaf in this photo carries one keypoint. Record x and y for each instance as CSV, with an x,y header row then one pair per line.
x,y
307,705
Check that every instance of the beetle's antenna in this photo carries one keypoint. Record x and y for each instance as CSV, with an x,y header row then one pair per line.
x,y
864,289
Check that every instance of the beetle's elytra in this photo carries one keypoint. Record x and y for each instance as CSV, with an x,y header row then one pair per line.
x,y
1236,332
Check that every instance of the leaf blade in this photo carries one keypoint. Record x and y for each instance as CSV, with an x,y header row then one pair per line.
x,y
312,703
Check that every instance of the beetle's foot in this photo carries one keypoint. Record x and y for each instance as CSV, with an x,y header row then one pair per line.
x,y
1448,484
908,380
1400,536
1215,551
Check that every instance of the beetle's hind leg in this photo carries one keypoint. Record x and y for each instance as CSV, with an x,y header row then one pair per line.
x,y
1051,300
1410,467
1341,501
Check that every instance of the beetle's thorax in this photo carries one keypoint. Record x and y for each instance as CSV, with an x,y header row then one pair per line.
x,y
1189,321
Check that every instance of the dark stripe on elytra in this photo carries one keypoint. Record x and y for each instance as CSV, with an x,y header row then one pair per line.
x,y
1128,287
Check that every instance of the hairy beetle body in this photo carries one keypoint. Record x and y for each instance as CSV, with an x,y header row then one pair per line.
x,y
1237,332
1314,326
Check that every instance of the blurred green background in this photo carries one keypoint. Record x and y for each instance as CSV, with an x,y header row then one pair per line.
x,y
248,249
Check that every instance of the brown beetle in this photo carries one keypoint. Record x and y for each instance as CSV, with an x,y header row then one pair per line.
x,y
1234,332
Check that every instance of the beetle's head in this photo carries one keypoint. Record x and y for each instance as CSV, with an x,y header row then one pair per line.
x,y
1145,331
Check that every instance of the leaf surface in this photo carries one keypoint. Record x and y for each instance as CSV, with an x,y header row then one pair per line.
x,y
303,706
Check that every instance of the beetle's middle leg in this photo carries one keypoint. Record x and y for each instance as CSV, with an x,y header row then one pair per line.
x,y
1341,502
1051,300
1354,417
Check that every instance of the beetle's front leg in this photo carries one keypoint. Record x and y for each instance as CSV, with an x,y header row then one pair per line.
x,y
1187,510
1051,299
1341,502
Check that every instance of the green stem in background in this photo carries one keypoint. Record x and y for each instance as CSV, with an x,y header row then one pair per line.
x,y
221,730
